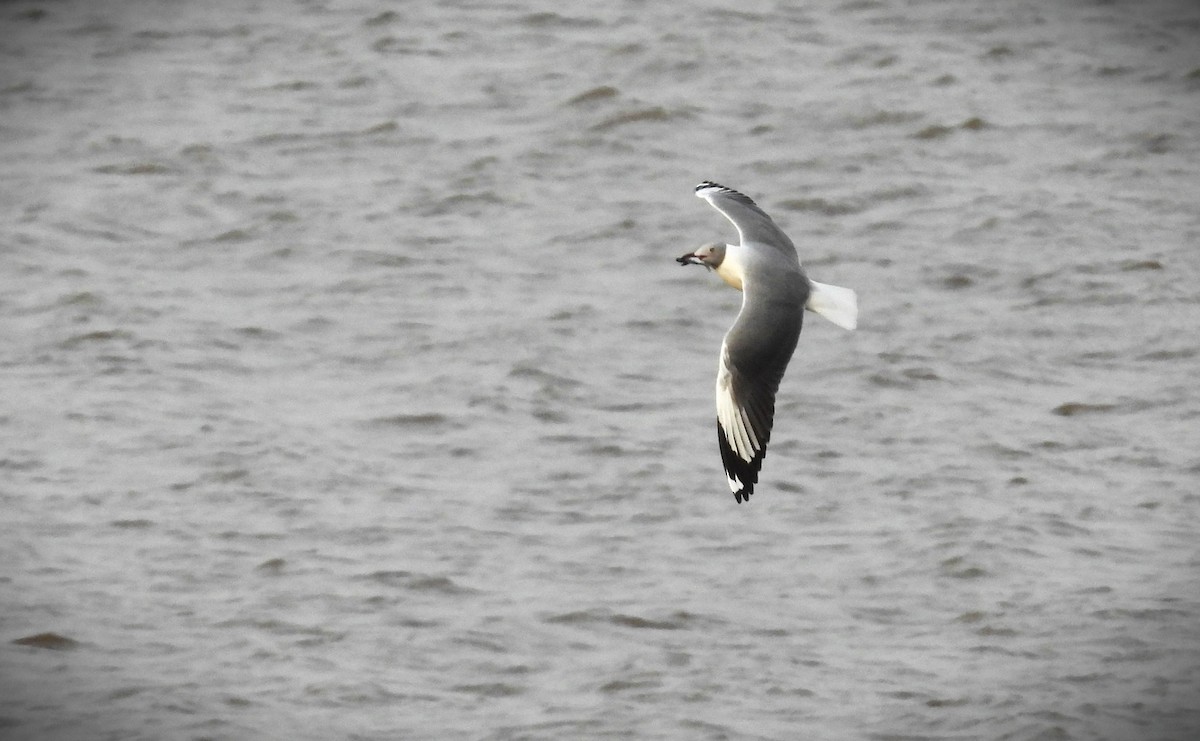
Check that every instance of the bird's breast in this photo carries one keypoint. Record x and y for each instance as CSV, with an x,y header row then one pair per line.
x,y
732,269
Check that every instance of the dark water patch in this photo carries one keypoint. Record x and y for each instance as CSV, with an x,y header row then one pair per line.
x,y
1100,355
203,152
880,615
947,702
934,131
885,225
464,204
21,87
81,298
278,137
1060,527
884,118
921,374
551,415
232,236
419,582
898,193
20,464
379,259
940,131
550,19
550,382
51,641
957,567
656,114
412,45
790,692
906,378
1140,461
418,420
138,168
822,206
1130,266
1169,355
382,19
1157,143
890,379
129,691
1005,452
633,621
97,337
283,628
272,566
257,333
1160,615
624,685
607,450
490,689
595,95
477,640
293,86
1076,408
134,524
600,616
31,15
865,55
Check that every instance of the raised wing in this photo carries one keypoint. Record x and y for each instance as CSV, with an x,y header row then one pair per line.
x,y
752,223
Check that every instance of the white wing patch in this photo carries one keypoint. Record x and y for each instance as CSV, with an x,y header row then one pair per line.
x,y
734,420
708,190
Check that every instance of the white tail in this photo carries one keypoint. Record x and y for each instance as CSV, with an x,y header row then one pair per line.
x,y
838,305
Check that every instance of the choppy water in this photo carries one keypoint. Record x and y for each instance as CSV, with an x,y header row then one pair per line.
x,y
351,389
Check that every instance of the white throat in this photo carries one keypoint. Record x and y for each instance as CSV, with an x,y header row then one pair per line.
x,y
733,268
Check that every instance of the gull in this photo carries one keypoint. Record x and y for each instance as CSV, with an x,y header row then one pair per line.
x,y
757,348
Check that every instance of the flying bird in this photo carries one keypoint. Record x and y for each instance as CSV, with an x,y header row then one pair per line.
x,y
757,348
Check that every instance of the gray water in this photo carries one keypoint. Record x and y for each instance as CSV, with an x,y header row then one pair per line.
x,y
351,390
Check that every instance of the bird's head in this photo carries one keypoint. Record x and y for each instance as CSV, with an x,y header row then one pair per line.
x,y
710,256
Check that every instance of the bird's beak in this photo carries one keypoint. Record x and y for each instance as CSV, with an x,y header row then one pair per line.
x,y
689,259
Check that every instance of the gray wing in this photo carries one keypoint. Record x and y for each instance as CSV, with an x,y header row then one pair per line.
x,y
752,222
754,356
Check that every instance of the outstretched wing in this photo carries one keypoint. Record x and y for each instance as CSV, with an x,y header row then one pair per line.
x,y
754,356
753,224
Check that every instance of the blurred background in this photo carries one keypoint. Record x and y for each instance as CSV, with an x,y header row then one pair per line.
x,y
351,389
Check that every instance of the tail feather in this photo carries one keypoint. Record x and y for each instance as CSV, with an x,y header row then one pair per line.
x,y
838,305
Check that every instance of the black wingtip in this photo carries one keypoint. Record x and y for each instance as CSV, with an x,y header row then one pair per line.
x,y
737,469
736,195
